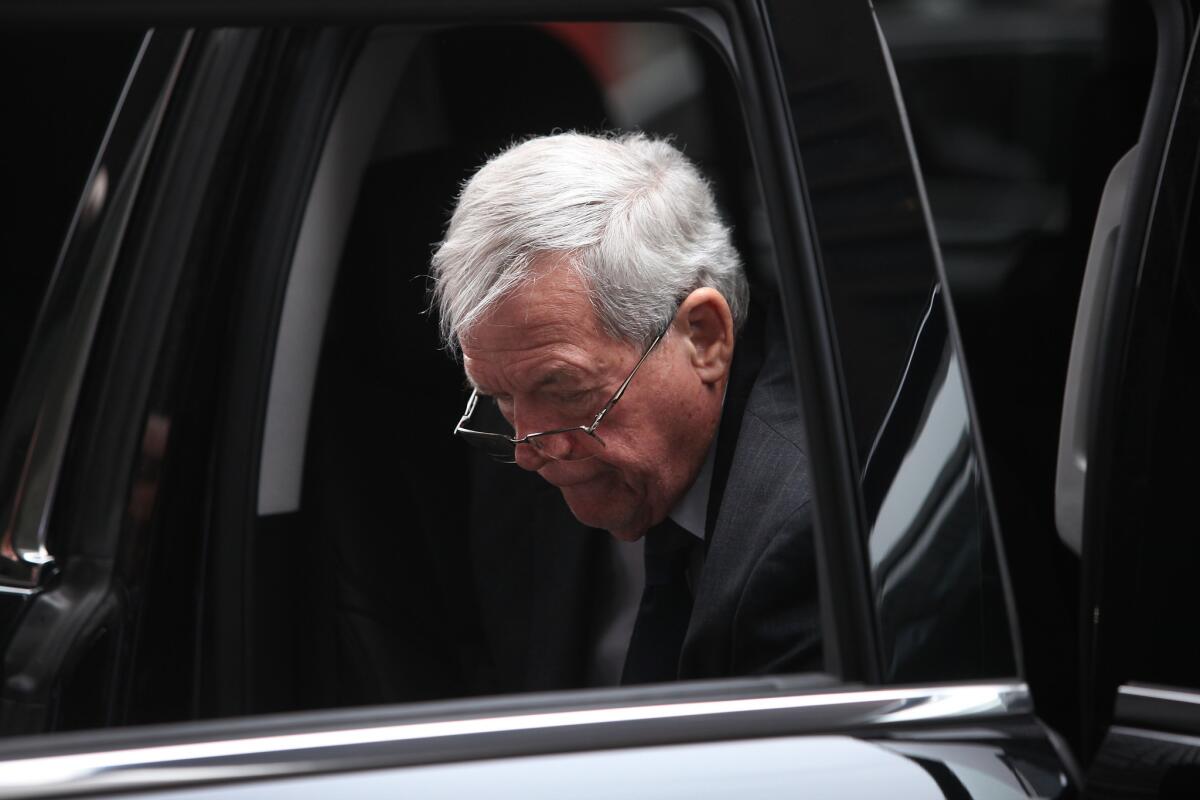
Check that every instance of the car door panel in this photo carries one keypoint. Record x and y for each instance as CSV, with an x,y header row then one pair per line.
x,y
1152,748
582,742
1139,539
766,768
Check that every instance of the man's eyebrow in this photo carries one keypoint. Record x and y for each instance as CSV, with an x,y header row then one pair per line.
x,y
557,375
553,376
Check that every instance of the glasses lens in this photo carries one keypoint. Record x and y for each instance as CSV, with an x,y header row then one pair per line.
x,y
492,444
487,417
487,430
575,445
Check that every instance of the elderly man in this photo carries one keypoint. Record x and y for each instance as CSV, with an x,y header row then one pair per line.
x,y
595,297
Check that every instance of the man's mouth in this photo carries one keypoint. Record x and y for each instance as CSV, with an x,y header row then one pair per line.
x,y
565,479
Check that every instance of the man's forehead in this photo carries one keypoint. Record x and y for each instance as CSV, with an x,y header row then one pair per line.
x,y
552,352
546,376
544,332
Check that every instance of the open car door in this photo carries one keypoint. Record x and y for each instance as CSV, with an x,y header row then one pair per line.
x,y
1127,469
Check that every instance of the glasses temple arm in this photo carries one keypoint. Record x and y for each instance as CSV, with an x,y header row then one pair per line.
x,y
469,410
608,406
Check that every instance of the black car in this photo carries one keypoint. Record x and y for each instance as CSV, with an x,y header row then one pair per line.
x,y
240,549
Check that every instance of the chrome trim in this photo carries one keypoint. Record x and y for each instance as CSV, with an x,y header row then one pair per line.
x,y
213,759
1150,693
1158,736
98,229
1159,708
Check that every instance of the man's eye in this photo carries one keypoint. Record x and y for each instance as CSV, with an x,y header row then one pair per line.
x,y
574,398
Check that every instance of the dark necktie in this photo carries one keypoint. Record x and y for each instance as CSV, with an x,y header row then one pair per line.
x,y
666,607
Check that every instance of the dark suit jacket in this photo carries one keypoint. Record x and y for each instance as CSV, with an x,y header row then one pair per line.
x,y
537,570
755,609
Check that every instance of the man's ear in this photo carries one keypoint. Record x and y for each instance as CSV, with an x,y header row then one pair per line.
x,y
705,319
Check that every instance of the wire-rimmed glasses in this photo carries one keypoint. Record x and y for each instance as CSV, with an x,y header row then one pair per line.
x,y
575,443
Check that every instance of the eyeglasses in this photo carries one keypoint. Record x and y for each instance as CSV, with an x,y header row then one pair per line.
x,y
577,443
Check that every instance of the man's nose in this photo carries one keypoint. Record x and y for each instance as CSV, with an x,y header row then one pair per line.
x,y
525,421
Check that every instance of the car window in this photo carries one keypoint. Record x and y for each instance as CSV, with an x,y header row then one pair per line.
x,y
467,518
383,560
924,491
60,89
1018,113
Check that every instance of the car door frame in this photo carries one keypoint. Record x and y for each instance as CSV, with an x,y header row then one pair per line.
x,y
1142,738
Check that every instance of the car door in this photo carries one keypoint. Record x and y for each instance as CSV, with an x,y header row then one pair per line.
x,y
1132,512
162,572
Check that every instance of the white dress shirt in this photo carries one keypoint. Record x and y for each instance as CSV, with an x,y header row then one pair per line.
x,y
626,577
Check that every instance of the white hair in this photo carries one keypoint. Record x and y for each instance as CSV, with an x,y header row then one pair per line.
x,y
633,215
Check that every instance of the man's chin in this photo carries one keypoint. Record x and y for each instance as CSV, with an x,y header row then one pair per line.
x,y
601,510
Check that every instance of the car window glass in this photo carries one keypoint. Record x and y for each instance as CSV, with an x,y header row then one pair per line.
x,y
385,561
60,89
930,542
475,528
1018,112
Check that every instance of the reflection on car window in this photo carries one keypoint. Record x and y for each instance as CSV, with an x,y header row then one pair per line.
x,y
1018,111
60,89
